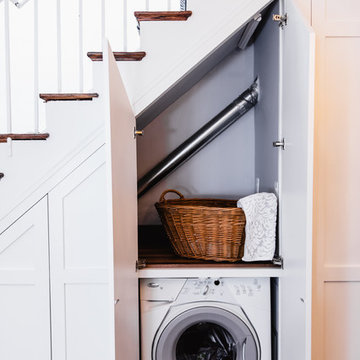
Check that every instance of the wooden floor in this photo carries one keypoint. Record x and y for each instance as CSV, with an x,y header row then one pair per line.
x,y
155,251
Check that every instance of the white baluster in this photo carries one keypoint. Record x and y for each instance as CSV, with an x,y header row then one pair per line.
x,y
81,48
147,6
10,149
7,66
36,66
125,22
59,55
183,5
168,5
103,23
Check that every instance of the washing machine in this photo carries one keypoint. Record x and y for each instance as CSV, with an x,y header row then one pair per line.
x,y
209,319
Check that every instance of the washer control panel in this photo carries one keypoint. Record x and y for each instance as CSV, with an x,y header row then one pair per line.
x,y
203,287
249,288
223,288
231,290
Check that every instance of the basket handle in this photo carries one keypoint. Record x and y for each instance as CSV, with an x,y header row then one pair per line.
x,y
162,196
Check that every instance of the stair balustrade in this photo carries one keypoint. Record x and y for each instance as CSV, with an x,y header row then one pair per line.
x,y
44,45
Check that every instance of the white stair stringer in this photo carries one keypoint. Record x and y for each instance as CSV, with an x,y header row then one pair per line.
x,y
175,48
33,168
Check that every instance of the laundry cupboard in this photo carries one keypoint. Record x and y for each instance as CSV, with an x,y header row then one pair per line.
x,y
284,62
69,267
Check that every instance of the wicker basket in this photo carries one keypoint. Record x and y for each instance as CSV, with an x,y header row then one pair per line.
x,y
208,229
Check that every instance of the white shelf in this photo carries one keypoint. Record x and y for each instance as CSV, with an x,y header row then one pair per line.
x,y
209,272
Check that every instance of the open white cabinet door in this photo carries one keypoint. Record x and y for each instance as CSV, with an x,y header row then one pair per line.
x,y
122,184
298,48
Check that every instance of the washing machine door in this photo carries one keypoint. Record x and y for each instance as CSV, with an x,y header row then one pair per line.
x,y
206,333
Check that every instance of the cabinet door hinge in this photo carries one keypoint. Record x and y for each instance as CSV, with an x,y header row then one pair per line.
x,y
279,143
281,19
278,260
138,133
140,264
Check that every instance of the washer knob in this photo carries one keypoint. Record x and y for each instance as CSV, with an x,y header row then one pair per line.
x,y
153,285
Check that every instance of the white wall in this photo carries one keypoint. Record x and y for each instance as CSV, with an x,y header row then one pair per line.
x,y
225,168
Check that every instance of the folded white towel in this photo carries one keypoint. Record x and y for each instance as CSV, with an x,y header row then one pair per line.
x,y
261,212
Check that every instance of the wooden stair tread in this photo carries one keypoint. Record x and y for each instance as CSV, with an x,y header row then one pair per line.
x,y
16,137
119,55
162,15
69,97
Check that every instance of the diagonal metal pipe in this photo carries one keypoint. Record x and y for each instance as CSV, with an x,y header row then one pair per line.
x,y
201,138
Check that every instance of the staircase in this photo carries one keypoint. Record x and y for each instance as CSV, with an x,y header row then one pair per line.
x,y
177,49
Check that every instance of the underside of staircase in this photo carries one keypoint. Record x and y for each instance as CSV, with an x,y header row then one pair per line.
x,y
188,47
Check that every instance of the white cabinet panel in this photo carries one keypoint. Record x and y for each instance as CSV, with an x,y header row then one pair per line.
x,y
336,231
348,11
340,168
83,225
84,316
81,323
296,173
342,317
24,287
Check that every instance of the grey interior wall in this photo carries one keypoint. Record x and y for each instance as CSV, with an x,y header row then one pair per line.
x,y
267,111
225,168
189,80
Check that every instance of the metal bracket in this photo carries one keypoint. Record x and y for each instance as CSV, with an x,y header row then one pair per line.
x,y
140,264
279,143
278,260
281,19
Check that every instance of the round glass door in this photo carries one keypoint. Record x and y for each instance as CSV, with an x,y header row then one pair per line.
x,y
206,333
206,340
